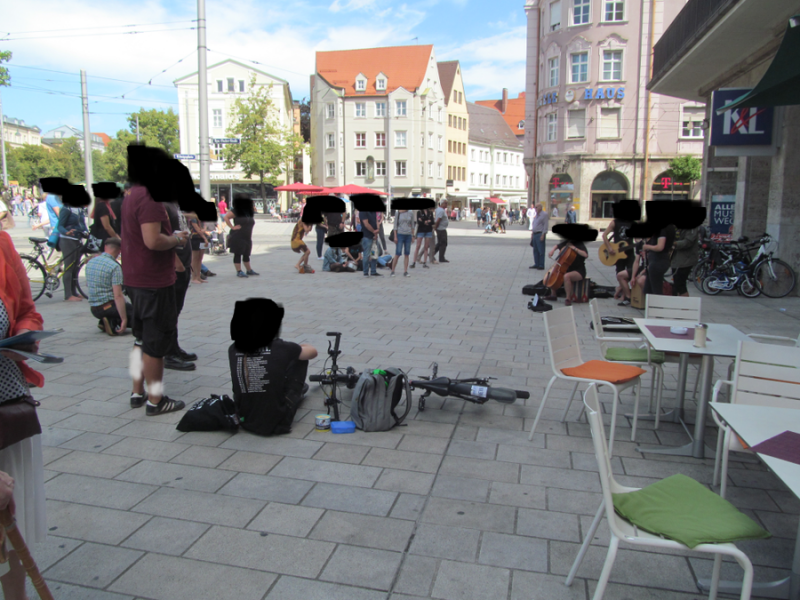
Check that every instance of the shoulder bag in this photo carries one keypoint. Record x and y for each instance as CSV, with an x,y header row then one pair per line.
x,y
18,420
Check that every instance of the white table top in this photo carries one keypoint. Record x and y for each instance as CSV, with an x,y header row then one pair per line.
x,y
722,339
755,424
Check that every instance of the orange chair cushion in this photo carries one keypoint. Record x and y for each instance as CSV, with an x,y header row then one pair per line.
x,y
601,370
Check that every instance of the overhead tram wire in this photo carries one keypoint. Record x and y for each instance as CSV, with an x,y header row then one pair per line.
x,y
108,26
42,37
98,76
255,62
192,53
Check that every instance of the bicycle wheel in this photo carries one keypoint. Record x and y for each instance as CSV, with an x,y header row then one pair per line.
x,y
774,278
709,290
37,276
700,271
747,287
80,281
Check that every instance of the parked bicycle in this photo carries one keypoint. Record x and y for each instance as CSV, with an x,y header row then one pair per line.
x,y
334,376
475,389
44,276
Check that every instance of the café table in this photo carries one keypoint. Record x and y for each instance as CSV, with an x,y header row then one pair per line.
x,y
756,424
721,341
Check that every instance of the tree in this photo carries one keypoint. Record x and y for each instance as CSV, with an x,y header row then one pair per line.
x,y
686,169
116,156
157,128
267,148
29,163
5,76
305,120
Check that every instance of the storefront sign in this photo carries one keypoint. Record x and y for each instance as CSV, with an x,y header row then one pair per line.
x,y
550,98
722,211
742,126
608,93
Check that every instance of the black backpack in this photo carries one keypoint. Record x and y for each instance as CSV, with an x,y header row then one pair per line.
x,y
211,414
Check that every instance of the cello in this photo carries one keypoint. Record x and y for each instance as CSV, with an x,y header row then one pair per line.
x,y
554,278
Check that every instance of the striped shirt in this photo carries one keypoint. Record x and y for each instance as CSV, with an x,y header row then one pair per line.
x,y
101,273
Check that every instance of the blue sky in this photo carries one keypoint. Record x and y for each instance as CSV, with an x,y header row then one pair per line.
x,y
54,39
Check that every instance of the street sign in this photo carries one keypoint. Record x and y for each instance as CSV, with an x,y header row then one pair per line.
x,y
226,140
185,156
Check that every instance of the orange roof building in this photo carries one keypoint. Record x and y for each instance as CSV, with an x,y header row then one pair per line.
x,y
103,136
512,109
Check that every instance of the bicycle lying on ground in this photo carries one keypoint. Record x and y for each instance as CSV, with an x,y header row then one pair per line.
x,y
44,276
334,376
476,389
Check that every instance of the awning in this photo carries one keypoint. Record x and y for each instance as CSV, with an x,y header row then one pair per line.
x,y
780,85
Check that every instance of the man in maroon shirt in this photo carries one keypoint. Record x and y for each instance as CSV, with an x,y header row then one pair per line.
x,y
148,244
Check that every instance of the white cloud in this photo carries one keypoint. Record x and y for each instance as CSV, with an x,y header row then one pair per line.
x,y
486,80
350,5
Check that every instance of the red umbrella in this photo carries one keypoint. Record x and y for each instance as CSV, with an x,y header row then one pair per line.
x,y
497,200
351,189
298,187
319,192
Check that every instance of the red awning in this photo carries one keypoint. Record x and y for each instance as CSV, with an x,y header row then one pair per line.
x,y
298,187
351,189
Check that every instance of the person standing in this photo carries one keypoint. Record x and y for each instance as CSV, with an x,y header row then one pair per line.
x,y
223,206
539,228
298,245
478,216
102,219
53,206
404,231
684,258
369,228
658,250
530,213
104,280
241,221
502,217
199,244
424,234
441,231
321,230
71,226
572,215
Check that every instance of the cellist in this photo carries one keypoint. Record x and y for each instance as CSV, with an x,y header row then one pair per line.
x,y
575,272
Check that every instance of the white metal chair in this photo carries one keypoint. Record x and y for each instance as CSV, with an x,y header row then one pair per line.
x,y
640,355
623,530
768,339
764,375
565,353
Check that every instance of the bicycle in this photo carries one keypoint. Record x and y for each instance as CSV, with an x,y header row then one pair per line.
x,y
475,389
44,277
334,376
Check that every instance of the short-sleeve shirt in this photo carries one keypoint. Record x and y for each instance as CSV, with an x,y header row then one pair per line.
x,y
669,233
334,220
441,215
145,268
372,218
579,264
405,223
424,222
100,211
52,201
102,272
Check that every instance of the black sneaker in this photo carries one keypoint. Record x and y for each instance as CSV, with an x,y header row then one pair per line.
x,y
625,302
167,405
376,275
210,274
176,364
137,400
186,356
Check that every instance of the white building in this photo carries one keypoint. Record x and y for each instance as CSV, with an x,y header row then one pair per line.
x,y
58,135
378,120
227,81
495,159
17,133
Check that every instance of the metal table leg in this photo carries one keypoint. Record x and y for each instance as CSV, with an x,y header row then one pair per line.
x,y
674,415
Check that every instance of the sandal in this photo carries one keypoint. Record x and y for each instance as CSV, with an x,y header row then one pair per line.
x,y
167,405
308,269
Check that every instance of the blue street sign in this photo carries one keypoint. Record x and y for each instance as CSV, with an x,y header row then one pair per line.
x,y
185,156
226,140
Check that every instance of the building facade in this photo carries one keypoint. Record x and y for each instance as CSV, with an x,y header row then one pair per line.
x,y
495,158
17,133
56,136
227,81
457,135
378,119
594,134
512,109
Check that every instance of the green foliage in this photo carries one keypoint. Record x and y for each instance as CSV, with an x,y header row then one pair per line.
x,y
157,128
116,156
29,163
5,76
267,149
686,169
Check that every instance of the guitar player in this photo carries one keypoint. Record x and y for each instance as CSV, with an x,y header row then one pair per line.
x,y
618,230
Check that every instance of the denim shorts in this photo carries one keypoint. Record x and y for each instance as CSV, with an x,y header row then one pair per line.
x,y
421,234
403,244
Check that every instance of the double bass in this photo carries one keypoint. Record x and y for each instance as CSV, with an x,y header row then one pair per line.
x,y
554,278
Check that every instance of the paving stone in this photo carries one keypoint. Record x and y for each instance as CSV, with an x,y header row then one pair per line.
x,y
461,488
548,525
362,530
533,456
97,491
342,453
182,477
512,494
199,506
513,552
93,423
473,515
480,469
146,449
445,542
96,407
93,565
250,462
408,506
267,488
291,588
166,536
286,519
469,449
65,591
91,523
416,577
202,456
91,463
350,499
404,481
424,443
538,586
461,581
581,481
399,459
504,436
369,568
154,577
570,501
91,442
314,470
387,439
205,438
278,446
251,550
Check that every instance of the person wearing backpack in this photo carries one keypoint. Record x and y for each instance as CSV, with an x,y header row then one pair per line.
x,y
268,374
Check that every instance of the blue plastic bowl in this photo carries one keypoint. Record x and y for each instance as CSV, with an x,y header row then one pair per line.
x,y
343,427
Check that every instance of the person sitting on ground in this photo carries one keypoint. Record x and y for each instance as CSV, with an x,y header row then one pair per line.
x,y
104,280
336,261
299,246
268,374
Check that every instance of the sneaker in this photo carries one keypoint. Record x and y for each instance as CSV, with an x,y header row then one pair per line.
x,y
251,272
447,261
412,265
137,400
210,274
241,274
176,364
366,274
533,267
625,302
406,274
107,326
392,275
425,266
203,276
167,405
376,275
184,355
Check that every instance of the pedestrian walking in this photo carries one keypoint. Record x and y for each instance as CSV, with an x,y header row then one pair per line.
x,y
199,242
241,220
441,231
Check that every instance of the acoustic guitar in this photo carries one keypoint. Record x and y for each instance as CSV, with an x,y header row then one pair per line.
x,y
610,260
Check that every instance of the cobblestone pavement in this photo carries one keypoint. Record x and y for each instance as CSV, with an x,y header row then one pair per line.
x,y
458,504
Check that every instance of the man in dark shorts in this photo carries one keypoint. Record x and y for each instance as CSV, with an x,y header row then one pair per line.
x,y
148,247
575,273
618,230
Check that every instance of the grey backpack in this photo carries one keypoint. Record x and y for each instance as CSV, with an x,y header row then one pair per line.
x,y
376,399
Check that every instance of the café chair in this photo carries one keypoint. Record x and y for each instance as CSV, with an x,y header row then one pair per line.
x,y
764,375
768,339
676,513
567,364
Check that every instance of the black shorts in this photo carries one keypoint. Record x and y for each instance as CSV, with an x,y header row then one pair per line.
x,y
625,264
196,244
155,319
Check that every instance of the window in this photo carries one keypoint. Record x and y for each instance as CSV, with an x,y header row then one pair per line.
x,y
380,84
400,139
521,125
422,140
441,144
609,123
330,110
449,172
460,98
380,169
576,124
552,127
361,109
430,141
361,140
380,109
517,180
331,140
439,170
579,67
331,169
400,168
361,169
497,179
380,140
505,157
449,120
692,120
449,145
555,15
241,85
472,178
580,12
430,169
400,108
440,114
220,85
505,180
472,154
218,148
217,112
613,10
230,84
612,65
361,85
552,67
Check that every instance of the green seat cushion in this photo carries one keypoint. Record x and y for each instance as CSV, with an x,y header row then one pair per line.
x,y
619,354
681,509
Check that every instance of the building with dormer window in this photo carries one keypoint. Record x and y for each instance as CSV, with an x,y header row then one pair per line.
x,y
378,119
18,134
